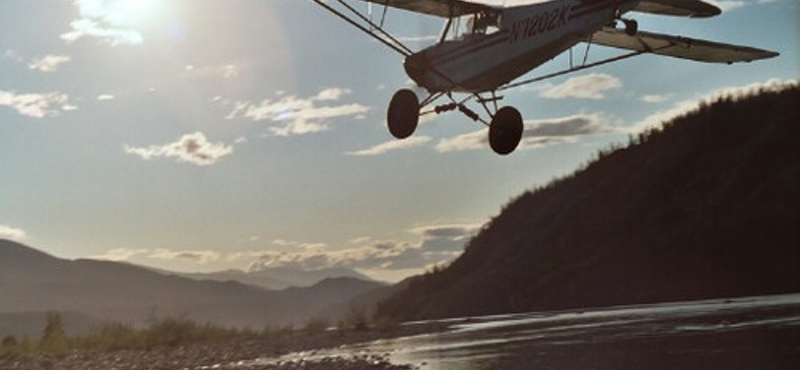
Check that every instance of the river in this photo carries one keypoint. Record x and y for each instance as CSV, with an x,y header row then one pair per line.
x,y
755,333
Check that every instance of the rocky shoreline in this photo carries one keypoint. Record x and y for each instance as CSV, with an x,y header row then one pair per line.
x,y
238,353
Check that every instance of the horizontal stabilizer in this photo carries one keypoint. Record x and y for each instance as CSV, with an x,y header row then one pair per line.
x,y
679,47
682,8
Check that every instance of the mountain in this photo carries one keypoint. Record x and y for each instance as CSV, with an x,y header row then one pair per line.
x,y
276,278
706,207
35,282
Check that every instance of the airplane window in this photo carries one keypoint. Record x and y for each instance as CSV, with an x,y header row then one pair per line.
x,y
485,24
472,25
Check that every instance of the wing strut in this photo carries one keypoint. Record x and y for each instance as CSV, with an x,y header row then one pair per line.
x,y
574,69
392,42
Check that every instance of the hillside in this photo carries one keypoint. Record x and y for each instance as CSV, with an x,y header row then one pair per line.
x,y
32,282
707,207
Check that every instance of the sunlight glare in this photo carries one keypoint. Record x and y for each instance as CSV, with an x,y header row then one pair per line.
x,y
129,12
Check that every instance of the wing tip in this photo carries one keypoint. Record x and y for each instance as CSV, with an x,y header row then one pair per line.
x,y
708,10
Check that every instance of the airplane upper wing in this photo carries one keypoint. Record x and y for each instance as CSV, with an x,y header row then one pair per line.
x,y
685,8
679,47
439,8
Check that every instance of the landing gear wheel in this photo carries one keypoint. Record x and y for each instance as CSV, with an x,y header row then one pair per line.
x,y
505,131
631,27
403,114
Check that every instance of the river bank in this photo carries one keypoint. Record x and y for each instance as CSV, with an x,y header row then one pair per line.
x,y
226,354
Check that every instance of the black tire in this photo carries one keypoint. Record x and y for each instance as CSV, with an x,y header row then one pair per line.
x,y
505,131
403,114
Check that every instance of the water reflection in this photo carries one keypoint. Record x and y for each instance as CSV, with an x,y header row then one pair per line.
x,y
748,333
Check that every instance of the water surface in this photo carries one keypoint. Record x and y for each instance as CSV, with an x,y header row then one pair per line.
x,y
756,333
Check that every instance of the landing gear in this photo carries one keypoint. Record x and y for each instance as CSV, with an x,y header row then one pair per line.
x,y
505,130
403,115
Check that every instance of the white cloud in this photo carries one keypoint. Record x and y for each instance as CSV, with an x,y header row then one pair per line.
x,y
291,115
589,86
127,254
332,94
228,71
470,141
48,63
537,133
120,254
198,256
656,98
13,55
191,148
107,20
298,127
440,243
114,36
8,232
681,108
728,5
392,146
36,105
105,97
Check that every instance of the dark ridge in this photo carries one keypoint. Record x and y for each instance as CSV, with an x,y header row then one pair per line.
x,y
706,207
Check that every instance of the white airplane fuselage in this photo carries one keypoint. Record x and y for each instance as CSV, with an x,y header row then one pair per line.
x,y
527,37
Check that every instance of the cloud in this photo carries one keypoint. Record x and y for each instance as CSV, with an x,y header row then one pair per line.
x,y
589,86
393,145
537,133
438,244
48,63
728,5
107,20
191,148
13,55
8,232
446,237
127,254
291,115
120,254
36,105
198,256
470,141
105,97
681,108
656,98
331,94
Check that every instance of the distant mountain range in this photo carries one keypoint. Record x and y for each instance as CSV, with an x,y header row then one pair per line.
x,y
276,278
708,207
90,291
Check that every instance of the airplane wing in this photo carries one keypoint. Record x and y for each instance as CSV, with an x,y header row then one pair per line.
x,y
684,8
679,47
439,8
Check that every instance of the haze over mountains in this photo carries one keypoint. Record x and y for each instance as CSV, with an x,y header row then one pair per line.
x,y
705,208
89,291
276,278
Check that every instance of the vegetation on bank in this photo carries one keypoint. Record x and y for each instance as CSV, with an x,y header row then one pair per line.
x,y
164,332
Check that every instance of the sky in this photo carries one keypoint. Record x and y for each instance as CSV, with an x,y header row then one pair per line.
x,y
202,135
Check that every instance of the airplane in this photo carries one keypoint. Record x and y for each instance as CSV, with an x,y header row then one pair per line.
x,y
487,44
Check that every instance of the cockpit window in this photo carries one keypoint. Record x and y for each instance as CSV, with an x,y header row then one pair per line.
x,y
472,25
485,24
